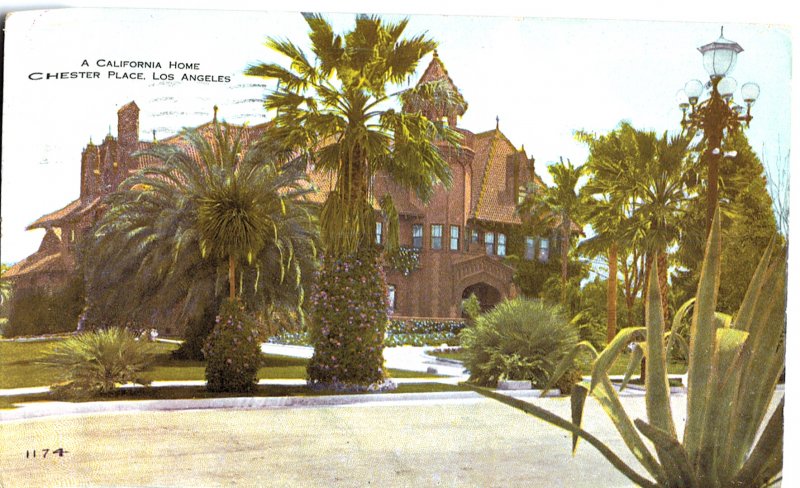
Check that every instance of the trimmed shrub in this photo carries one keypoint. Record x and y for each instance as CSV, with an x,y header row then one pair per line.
x,y
519,339
97,362
349,319
37,312
233,350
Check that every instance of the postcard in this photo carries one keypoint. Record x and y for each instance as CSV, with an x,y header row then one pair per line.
x,y
263,248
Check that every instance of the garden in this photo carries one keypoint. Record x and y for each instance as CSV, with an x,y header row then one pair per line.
x,y
676,278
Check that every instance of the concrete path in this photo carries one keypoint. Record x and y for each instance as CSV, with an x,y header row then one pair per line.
x,y
415,443
405,357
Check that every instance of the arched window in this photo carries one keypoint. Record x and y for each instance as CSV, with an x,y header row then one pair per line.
x,y
392,298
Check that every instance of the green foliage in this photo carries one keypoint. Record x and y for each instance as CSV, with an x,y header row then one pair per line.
x,y
36,311
519,340
349,322
97,362
471,308
342,104
194,336
233,350
734,366
404,259
748,225
146,266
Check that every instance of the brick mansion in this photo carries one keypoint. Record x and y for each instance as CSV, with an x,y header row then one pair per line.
x,y
457,241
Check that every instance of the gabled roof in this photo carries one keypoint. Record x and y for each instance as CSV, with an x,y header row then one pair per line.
x,y
55,218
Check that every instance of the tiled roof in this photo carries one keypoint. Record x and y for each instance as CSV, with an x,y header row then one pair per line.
x,y
437,72
490,206
36,263
54,218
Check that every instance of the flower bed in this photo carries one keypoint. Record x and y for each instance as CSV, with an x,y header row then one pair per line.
x,y
400,332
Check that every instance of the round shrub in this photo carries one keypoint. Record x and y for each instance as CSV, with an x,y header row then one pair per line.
x,y
349,319
519,339
97,362
233,350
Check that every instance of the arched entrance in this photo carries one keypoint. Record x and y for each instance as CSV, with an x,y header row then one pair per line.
x,y
487,295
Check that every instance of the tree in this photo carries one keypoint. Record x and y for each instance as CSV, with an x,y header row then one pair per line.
x,y
174,232
556,206
748,223
606,203
338,111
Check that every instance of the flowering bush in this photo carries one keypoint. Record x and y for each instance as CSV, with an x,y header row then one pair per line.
x,y
233,350
425,326
348,323
404,260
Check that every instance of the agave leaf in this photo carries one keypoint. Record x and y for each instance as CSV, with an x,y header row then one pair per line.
x,y
636,359
567,362
659,411
554,419
681,313
702,345
762,363
577,402
746,310
682,475
675,338
606,358
766,460
607,397
728,345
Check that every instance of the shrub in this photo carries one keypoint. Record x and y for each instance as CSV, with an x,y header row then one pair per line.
x,y
734,365
97,362
36,311
471,308
519,339
195,336
233,350
349,318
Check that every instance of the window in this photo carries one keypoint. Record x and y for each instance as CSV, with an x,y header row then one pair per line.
x,y
392,298
455,232
488,240
378,233
544,250
501,244
475,236
436,236
416,236
521,194
530,247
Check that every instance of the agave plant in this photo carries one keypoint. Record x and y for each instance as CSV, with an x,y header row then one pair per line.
x,y
97,362
734,366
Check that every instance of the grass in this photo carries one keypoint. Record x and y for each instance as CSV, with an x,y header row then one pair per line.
x,y
19,367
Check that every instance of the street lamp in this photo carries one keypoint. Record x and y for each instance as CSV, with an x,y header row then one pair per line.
x,y
718,113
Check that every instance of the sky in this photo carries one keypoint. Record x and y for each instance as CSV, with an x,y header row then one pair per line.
x,y
543,78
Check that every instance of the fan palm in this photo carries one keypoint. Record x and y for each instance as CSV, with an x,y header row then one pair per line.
x,y
173,232
338,110
557,206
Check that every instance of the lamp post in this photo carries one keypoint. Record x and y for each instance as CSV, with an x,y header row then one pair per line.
x,y
718,113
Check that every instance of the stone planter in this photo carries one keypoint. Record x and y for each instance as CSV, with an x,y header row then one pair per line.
x,y
513,385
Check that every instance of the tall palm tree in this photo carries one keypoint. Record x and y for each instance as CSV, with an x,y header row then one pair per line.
x,y
662,193
556,207
339,110
174,232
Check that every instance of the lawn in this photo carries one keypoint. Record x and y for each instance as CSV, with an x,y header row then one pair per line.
x,y
19,367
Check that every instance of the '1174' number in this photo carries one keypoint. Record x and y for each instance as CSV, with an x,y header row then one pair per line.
x,y
44,452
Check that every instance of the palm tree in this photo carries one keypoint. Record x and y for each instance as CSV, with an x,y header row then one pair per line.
x,y
662,193
174,232
558,207
338,111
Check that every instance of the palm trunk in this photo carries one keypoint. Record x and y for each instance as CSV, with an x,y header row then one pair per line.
x,y
611,322
564,256
232,276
